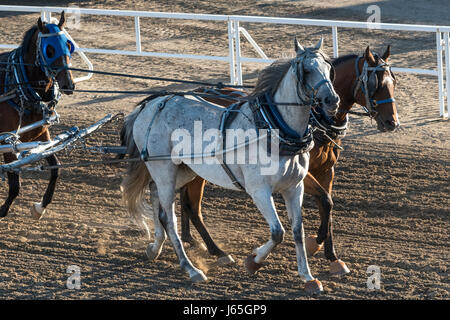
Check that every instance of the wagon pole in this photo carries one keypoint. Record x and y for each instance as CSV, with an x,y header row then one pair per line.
x,y
60,142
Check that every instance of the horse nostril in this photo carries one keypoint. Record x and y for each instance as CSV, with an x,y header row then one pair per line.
x,y
336,100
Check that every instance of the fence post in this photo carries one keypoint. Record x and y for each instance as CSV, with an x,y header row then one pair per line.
x,y
137,29
447,74
440,72
335,42
231,51
237,36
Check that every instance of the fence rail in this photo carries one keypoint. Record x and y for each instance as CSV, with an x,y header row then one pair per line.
x,y
235,59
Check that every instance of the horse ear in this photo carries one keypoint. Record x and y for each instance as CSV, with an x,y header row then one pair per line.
x,y
297,46
319,44
387,53
40,25
62,21
369,57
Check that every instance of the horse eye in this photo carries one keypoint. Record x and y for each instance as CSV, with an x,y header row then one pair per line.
x,y
50,51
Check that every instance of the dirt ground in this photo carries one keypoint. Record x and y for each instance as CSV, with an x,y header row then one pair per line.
x,y
391,191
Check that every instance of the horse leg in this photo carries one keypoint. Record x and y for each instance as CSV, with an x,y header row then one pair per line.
x,y
154,249
188,200
337,266
39,208
265,204
325,204
13,184
191,197
166,184
293,199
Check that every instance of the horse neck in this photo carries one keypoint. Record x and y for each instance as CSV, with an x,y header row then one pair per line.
x,y
344,85
296,117
34,72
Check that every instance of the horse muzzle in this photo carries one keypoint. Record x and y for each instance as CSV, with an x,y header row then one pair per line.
x,y
389,125
330,104
68,88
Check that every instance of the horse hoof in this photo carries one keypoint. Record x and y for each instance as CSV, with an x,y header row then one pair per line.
x,y
202,247
311,245
37,211
3,211
199,277
338,268
251,265
223,261
313,287
151,255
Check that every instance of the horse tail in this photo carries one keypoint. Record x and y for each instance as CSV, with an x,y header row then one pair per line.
x,y
137,177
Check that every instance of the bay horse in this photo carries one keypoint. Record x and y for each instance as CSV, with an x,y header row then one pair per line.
x,y
30,78
279,106
349,71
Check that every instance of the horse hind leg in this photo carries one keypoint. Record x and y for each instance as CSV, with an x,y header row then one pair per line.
x,y
186,213
164,177
39,208
191,210
154,249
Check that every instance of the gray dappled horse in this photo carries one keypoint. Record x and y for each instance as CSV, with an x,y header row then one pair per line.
x,y
280,107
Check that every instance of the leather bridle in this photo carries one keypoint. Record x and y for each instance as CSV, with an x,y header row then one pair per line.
x,y
367,82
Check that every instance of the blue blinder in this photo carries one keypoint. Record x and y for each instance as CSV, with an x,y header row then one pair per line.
x,y
57,40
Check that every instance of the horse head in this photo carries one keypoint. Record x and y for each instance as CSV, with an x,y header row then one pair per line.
x,y
378,94
315,75
54,52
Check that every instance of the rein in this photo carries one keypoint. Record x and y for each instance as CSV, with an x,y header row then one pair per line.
x,y
218,85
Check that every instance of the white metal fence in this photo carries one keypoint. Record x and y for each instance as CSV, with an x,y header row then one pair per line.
x,y
235,59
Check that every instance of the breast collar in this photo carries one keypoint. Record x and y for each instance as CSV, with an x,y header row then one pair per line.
x,y
24,97
326,129
267,116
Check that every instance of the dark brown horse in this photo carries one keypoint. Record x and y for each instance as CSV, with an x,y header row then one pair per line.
x,y
30,78
366,80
